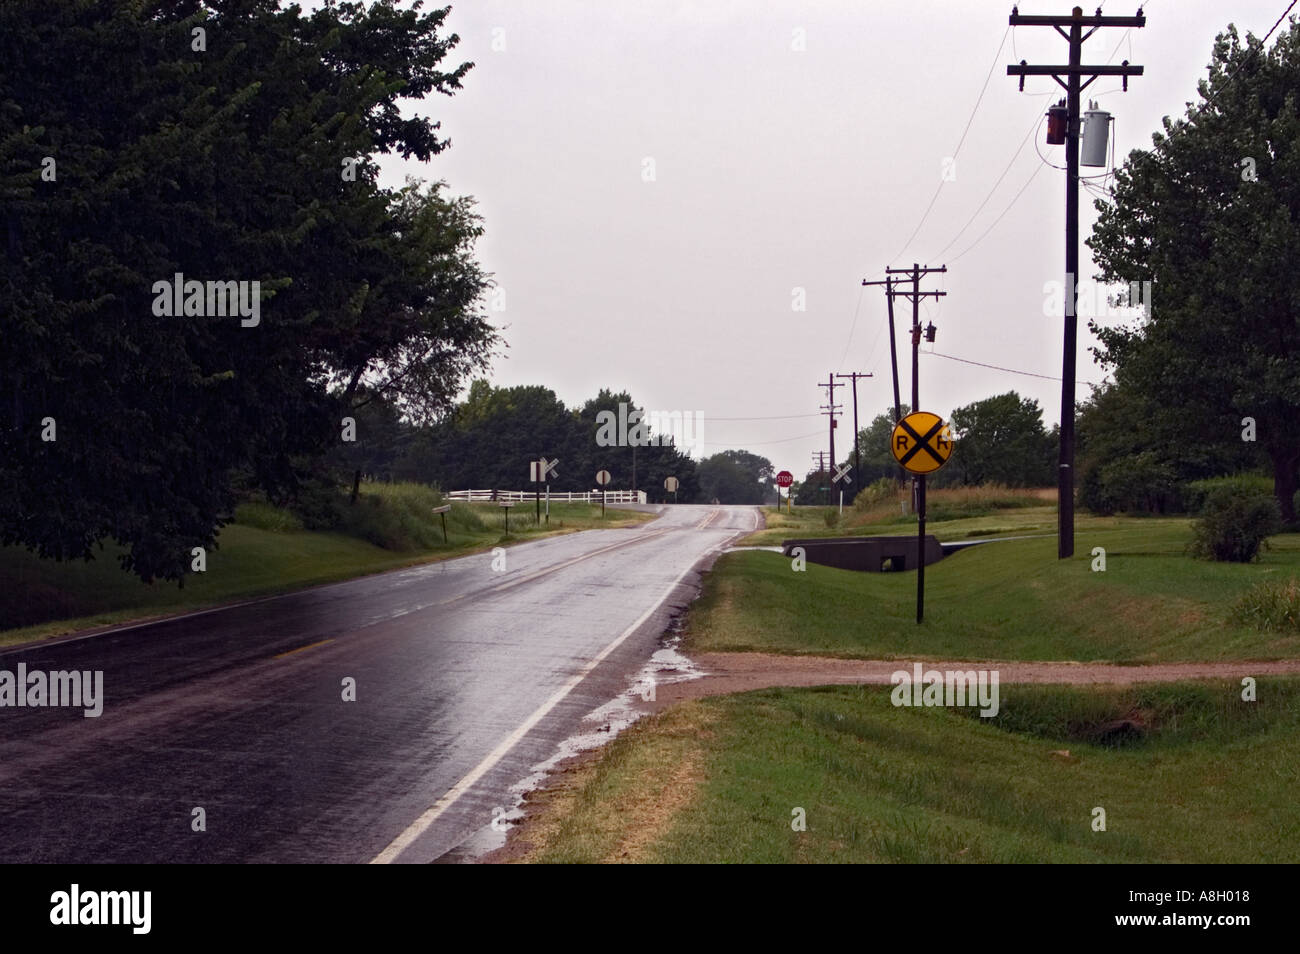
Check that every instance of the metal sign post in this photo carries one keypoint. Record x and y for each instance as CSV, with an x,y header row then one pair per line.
x,y
602,478
920,548
539,471
783,479
505,506
442,512
921,443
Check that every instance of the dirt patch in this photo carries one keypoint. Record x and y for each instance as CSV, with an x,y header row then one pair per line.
x,y
743,672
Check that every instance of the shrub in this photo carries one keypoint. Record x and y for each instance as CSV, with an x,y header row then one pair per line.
x,y
1195,492
1235,522
395,516
1272,605
320,502
886,488
831,516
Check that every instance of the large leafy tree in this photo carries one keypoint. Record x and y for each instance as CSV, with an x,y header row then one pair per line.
x,y
1001,439
230,140
1211,215
1134,452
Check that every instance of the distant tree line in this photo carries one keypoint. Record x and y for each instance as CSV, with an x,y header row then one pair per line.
x,y
488,439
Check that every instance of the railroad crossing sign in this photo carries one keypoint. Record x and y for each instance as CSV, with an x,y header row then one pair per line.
x,y
921,442
784,479
602,477
670,485
540,471
842,473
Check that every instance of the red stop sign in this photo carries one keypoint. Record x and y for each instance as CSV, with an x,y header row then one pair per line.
x,y
784,479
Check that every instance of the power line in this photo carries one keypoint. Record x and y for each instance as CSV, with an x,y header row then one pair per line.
x,y
994,367
852,326
784,440
1038,121
979,99
779,417
1279,20
993,224
1209,100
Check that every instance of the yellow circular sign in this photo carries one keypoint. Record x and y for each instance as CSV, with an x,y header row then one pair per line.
x,y
921,442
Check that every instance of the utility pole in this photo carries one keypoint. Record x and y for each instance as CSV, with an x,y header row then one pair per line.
x,y
893,350
915,295
857,462
831,408
918,483
1074,72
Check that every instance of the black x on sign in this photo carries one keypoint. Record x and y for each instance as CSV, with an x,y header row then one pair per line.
x,y
921,442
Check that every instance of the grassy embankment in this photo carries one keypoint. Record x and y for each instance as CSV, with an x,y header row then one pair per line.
x,y
1194,774
958,513
266,550
1210,779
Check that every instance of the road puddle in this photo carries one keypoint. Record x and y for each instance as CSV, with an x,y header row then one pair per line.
x,y
666,666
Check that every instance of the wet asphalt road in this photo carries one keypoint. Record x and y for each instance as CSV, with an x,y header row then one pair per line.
x,y
465,679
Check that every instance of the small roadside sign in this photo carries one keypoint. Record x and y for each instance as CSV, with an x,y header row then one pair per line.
x,y
505,506
442,512
921,442
602,477
670,485
784,479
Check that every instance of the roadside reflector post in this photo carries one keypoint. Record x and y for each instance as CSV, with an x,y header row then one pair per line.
x,y
442,512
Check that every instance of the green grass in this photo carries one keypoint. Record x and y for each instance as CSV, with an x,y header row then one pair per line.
x,y
950,513
1005,600
1271,605
1213,781
266,552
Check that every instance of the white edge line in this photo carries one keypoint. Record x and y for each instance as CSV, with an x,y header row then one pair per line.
x,y
430,815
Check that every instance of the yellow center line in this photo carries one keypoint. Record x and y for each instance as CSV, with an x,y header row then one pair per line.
x,y
301,648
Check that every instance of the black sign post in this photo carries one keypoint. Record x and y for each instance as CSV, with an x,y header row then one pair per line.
x,y
921,443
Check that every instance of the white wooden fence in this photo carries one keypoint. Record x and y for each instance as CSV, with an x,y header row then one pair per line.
x,y
590,496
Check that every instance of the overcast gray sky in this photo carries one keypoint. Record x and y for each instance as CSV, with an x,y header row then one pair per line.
x,y
778,168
